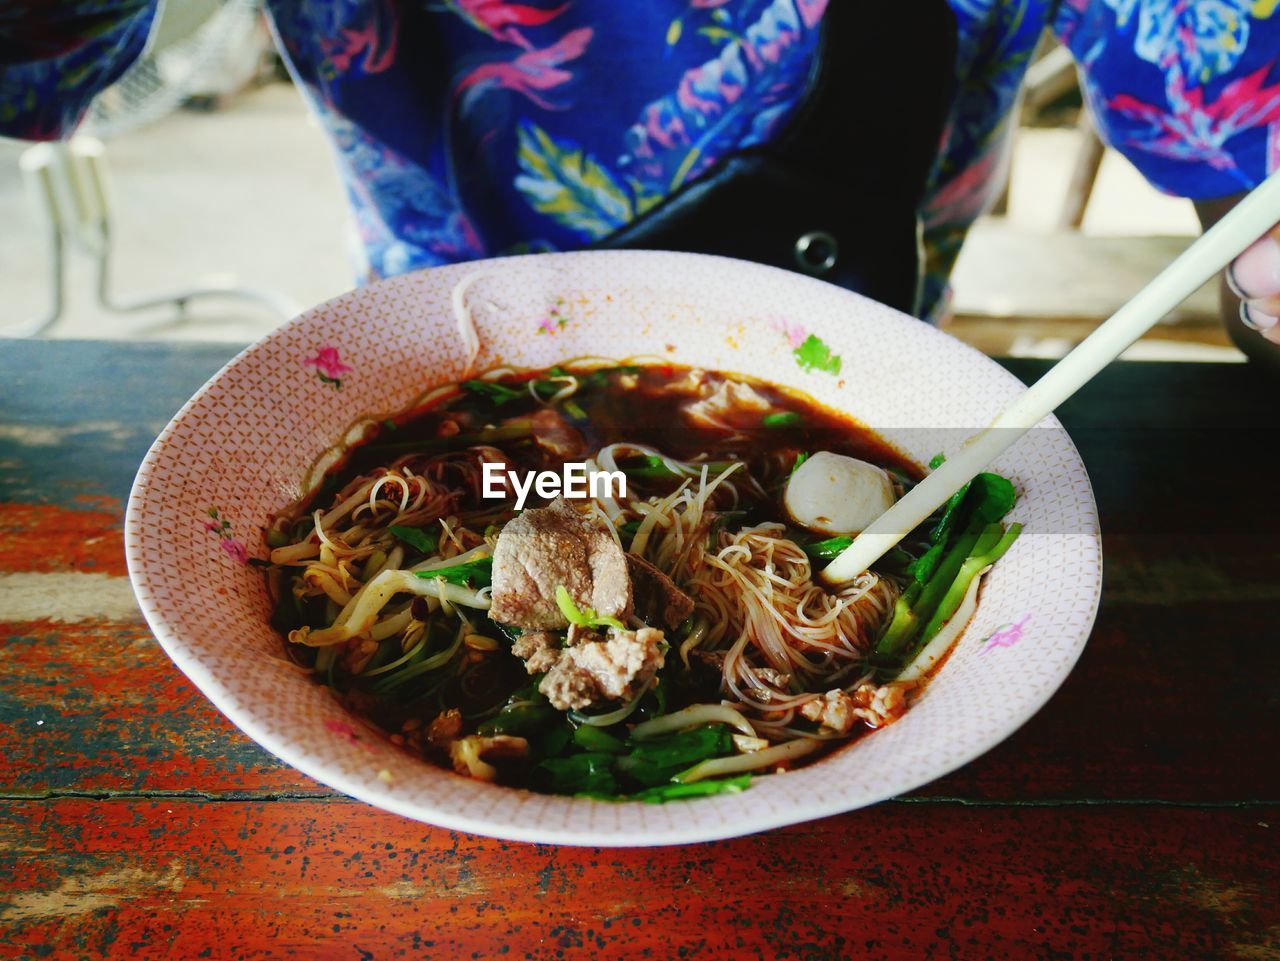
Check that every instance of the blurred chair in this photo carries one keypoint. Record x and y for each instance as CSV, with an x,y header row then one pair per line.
x,y
1051,77
199,49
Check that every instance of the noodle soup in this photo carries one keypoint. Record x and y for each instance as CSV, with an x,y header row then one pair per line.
x,y
658,643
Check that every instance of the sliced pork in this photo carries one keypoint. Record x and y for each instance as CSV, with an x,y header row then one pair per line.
x,y
657,600
550,547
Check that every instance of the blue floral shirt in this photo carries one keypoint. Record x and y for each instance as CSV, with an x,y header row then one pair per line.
x,y
468,128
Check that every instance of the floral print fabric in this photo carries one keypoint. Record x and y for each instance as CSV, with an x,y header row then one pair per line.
x,y
468,128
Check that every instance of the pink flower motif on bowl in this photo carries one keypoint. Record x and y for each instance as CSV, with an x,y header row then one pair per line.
x,y
1006,635
222,528
329,366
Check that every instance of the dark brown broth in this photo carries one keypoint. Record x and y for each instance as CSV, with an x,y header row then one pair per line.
x,y
649,413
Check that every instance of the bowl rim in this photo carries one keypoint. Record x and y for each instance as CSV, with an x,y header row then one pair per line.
x,y
187,659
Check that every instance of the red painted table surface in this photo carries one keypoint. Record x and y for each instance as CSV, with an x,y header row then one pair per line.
x,y
1136,816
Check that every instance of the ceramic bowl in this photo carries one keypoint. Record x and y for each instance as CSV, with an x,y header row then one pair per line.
x,y
261,429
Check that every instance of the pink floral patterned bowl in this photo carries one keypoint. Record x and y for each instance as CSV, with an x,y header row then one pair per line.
x,y
252,439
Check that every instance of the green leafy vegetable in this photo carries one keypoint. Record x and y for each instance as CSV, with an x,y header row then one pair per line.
x,y
658,760
583,617
800,459
784,418
498,393
985,499
814,354
526,712
966,539
519,720
554,383
553,741
422,541
593,739
591,773
649,467
922,568
605,767
989,549
950,510
833,547
662,793
992,495
827,550
477,573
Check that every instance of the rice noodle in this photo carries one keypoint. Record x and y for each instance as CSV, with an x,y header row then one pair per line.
x,y
754,589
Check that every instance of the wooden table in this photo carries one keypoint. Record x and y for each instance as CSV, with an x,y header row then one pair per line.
x,y
1136,816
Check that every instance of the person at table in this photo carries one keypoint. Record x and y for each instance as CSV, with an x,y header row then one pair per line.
x,y
827,137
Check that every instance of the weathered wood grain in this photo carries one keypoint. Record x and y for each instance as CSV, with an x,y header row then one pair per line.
x,y
76,417
338,879
1134,816
42,538
98,708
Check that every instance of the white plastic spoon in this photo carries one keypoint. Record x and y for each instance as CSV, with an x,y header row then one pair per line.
x,y
1252,217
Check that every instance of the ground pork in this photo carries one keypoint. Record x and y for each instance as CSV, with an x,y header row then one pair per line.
x,y
539,649
611,669
840,710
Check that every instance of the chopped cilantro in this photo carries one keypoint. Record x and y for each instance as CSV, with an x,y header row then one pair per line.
x,y
814,354
498,393
783,418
